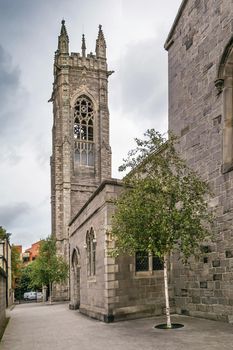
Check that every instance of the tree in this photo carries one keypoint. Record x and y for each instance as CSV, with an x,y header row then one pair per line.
x,y
16,265
25,283
48,267
4,234
164,204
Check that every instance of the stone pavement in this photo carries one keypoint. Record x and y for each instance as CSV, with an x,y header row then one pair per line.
x,y
54,327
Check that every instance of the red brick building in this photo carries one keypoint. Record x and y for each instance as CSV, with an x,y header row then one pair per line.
x,y
31,253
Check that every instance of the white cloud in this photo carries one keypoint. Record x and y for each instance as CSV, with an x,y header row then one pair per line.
x,y
135,31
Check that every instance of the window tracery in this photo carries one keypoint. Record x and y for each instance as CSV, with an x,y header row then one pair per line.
x,y
84,131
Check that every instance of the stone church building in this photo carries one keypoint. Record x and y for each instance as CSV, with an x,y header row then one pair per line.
x,y
82,192
200,56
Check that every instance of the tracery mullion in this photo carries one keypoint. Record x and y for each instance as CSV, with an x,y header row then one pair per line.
x,y
83,129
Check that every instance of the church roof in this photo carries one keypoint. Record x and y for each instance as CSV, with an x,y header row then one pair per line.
x,y
177,18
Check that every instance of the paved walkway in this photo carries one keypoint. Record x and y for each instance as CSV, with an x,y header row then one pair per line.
x,y
54,327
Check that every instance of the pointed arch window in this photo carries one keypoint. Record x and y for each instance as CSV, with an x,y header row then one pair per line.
x,y
84,131
91,252
224,83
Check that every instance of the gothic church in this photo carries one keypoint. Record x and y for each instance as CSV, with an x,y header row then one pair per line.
x,y
200,58
82,192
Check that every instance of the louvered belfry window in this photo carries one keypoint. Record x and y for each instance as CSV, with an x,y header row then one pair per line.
x,y
84,132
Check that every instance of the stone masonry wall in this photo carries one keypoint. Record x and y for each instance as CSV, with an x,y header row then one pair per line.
x,y
93,298
72,184
196,114
2,297
137,294
117,291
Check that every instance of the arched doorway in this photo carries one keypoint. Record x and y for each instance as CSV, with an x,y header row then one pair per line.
x,y
75,280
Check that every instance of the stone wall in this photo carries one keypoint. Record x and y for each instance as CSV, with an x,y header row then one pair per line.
x,y
195,47
117,291
2,297
93,295
138,294
73,183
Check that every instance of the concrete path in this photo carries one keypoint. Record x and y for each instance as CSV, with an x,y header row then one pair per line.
x,y
54,327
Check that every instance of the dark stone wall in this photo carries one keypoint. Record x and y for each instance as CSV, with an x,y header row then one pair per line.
x,y
196,114
2,297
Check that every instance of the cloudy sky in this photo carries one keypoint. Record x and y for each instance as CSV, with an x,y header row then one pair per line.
x,y
135,31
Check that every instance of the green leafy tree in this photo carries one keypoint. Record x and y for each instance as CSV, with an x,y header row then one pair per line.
x,y
24,283
16,266
4,234
48,267
164,205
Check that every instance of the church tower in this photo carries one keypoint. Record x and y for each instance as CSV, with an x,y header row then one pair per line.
x,y
81,154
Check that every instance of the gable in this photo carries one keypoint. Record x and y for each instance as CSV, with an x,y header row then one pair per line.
x,y
177,18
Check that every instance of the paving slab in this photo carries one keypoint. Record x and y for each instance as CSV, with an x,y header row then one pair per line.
x,y
55,327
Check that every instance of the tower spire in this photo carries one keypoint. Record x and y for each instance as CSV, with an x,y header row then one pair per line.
x,y
63,39
63,27
83,46
100,44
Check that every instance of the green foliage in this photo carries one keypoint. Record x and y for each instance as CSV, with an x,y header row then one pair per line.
x,y
164,205
16,264
48,267
3,234
24,282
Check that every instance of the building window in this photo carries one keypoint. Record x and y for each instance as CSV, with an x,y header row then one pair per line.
x,y
84,154
84,132
141,261
147,262
91,252
157,263
224,83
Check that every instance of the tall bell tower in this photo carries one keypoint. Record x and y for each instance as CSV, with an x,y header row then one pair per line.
x,y
81,154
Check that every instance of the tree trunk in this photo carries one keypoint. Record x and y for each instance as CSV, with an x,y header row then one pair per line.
x,y
50,292
166,292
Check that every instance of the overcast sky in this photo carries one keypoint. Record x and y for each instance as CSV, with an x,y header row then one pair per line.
x,y
135,32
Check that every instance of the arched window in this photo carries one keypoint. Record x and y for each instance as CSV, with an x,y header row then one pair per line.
x,y
224,83
91,252
77,156
83,131
74,260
